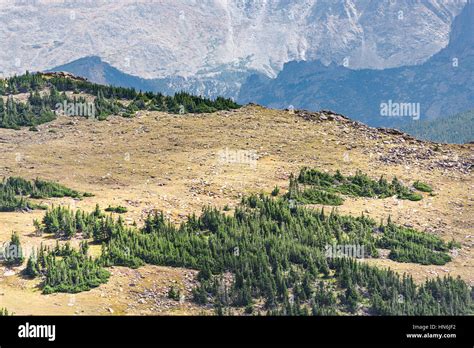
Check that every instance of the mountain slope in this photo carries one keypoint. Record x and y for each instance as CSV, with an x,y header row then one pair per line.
x,y
458,129
178,165
441,86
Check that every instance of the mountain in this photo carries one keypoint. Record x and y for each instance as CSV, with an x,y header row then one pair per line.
x,y
457,129
208,38
98,71
225,83
439,87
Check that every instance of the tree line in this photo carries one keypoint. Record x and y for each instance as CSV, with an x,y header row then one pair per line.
x,y
15,191
457,129
38,109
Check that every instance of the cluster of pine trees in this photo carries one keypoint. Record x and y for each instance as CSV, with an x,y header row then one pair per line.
x,y
22,84
65,223
65,269
409,245
181,102
273,251
40,108
267,258
423,187
37,109
4,312
9,201
15,190
14,114
118,209
12,253
358,185
311,194
39,188
391,294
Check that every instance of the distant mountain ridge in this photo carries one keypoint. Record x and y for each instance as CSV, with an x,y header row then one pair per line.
x,y
442,86
97,71
225,83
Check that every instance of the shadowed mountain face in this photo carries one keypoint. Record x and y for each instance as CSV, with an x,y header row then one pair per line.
x,y
440,87
95,70
457,129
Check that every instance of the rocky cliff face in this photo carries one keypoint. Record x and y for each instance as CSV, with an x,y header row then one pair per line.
x,y
156,39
